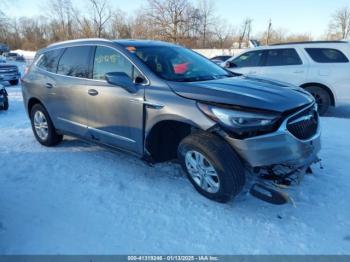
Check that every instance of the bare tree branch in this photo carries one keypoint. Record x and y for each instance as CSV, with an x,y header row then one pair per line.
x,y
339,27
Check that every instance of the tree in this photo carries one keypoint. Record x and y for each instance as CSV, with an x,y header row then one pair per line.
x,y
168,16
206,11
245,31
223,34
268,32
142,26
120,27
339,27
3,22
61,16
101,15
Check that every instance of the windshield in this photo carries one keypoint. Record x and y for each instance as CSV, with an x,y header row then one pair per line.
x,y
179,64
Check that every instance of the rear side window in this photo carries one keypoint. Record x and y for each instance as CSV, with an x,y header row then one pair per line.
x,y
249,59
108,60
327,55
75,61
282,57
49,60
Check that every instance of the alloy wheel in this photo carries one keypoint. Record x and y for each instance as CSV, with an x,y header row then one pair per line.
x,y
202,172
40,125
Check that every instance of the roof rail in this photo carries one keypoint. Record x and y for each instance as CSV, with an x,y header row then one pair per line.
x,y
311,42
79,40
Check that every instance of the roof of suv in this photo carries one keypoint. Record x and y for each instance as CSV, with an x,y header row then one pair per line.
x,y
311,42
136,43
122,42
323,44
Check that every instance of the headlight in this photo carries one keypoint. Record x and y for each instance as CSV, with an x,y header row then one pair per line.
x,y
240,120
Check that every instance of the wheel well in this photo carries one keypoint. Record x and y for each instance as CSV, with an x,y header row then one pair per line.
x,y
164,138
329,91
31,103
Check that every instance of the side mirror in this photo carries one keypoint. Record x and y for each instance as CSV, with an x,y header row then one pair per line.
x,y
121,79
230,64
139,80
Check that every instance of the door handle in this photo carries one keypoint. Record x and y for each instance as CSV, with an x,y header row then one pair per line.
x,y
92,92
49,85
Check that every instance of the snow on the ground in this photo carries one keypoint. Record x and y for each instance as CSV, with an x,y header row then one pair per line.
x,y
79,198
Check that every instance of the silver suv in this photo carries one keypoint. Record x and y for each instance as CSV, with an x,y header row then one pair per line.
x,y
162,102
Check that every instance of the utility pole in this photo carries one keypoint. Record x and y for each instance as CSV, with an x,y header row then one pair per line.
x,y
268,33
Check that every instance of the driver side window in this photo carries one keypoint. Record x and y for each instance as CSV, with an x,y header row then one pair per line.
x,y
108,60
249,59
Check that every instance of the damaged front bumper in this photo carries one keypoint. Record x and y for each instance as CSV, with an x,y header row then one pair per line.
x,y
279,147
281,155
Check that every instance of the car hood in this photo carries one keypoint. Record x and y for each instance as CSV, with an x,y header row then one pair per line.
x,y
245,91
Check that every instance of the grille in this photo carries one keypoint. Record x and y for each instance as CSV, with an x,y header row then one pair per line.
x,y
304,125
8,70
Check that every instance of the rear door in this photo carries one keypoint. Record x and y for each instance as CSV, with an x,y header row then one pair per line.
x,y
115,115
71,89
284,64
331,67
248,63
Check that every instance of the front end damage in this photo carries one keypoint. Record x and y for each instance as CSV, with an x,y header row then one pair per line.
x,y
281,158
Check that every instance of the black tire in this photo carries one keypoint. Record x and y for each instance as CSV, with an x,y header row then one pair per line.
x,y
222,157
13,82
6,104
53,138
322,98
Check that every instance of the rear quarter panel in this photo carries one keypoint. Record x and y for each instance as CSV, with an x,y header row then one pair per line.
x,y
336,76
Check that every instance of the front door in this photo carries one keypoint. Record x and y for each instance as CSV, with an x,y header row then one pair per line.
x,y
115,116
248,63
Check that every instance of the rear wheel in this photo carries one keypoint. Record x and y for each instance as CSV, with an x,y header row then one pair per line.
x,y
212,166
322,98
43,128
6,104
13,82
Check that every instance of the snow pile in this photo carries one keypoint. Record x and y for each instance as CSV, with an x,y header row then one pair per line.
x,y
79,198
210,53
28,55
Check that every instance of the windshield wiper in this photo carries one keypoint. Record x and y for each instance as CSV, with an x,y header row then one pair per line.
x,y
222,76
195,79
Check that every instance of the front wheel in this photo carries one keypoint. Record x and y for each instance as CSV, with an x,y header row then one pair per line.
x,y
44,131
212,166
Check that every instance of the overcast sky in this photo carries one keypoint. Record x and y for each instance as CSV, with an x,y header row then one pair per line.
x,y
296,16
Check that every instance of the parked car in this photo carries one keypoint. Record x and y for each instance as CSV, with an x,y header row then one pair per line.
x,y
322,68
20,58
2,59
4,102
126,94
9,73
15,57
219,59
4,48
